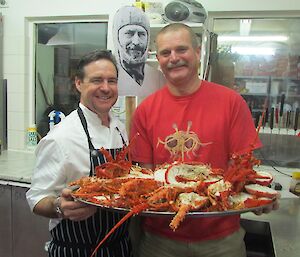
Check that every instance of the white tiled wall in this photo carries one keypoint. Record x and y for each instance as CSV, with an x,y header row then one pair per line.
x,y
14,63
15,102
13,44
16,83
16,139
15,120
17,54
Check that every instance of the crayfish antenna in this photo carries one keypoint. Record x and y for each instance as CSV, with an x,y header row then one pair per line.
x,y
135,210
127,148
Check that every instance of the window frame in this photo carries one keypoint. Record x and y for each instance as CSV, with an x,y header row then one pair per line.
x,y
30,43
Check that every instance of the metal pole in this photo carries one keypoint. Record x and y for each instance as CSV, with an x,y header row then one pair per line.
x,y
3,94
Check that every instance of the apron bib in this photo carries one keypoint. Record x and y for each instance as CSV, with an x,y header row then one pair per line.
x,y
79,239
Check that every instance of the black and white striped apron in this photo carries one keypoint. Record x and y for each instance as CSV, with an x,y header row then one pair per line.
x,y
79,239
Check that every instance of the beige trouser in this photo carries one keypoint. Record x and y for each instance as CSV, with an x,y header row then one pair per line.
x,y
151,245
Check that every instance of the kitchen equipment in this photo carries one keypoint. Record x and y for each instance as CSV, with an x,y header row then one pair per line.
x,y
272,119
184,11
281,112
266,117
257,117
288,121
271,124
295,183
276,117
296,120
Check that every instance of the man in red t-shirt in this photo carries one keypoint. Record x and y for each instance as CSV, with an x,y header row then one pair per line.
x,y
222,121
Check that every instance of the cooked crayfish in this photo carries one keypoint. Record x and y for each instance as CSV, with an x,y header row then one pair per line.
x,y
178,187
118,166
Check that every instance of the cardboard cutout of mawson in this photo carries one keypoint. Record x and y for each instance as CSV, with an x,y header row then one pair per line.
x,y
131,33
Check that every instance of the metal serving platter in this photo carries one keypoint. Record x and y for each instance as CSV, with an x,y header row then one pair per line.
x,y
195,214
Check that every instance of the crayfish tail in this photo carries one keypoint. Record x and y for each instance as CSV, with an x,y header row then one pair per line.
x,y
179,217
137,209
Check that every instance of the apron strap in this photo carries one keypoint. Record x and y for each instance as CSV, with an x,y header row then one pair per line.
x,y
93,151
123,140
84,125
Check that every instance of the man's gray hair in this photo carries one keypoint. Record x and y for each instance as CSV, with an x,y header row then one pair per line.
x,y
179,26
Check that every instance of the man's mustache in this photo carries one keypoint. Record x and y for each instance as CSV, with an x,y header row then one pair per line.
x,y
136,48
175,65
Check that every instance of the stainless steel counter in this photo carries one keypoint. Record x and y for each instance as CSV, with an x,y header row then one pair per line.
x,y
284,225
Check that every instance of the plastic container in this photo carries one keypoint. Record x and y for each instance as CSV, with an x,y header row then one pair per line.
x,y
31,137
295,183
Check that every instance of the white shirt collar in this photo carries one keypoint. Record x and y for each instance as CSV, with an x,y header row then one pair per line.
x,y
93,117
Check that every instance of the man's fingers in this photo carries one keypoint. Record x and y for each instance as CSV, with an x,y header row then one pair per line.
x,y
67,193
80,213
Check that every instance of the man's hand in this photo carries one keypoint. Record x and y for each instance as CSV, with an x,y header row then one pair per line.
x,y
74,210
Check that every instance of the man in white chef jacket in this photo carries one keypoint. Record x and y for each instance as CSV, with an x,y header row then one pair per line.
x,y
69,152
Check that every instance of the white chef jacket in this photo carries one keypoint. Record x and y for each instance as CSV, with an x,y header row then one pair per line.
x,y
63,154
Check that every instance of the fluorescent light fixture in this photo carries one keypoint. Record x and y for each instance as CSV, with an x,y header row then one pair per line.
x,y
242,50
252,38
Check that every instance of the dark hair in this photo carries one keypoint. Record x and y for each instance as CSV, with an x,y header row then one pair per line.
x,y
179,26
92,57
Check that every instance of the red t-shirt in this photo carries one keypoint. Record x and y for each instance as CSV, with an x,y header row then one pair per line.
x,y
220,117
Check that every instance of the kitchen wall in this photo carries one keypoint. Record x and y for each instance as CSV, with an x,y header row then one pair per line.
x,y
18,52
